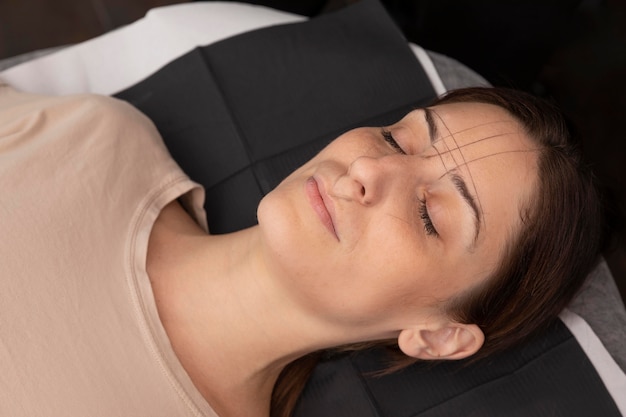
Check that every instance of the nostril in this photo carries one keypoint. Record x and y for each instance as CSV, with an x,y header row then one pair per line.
x,y
362,191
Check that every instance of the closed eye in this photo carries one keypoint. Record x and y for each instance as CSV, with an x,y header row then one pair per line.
x,y
429,227
388,137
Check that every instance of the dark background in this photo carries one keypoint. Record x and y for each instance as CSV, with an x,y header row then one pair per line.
x,y
571,51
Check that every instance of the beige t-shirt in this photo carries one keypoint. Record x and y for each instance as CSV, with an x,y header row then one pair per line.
x,y
82,179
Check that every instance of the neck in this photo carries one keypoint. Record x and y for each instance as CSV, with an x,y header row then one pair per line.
x,y
231,328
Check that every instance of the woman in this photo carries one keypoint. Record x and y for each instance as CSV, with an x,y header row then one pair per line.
x,y
462,228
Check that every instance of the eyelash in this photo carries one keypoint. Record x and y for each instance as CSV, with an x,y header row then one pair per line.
x,y
429,227
388,137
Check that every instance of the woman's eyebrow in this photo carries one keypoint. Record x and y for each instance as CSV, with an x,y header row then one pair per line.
x,y
461,187
432,126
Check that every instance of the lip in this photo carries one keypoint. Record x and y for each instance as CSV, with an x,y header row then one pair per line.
x,y
316,193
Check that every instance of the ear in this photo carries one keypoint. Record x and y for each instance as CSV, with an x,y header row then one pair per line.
x,y
446,340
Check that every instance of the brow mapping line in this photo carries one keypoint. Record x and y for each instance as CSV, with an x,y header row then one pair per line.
x,y
497,153
472,127
460,184
471,143
445,144
464,162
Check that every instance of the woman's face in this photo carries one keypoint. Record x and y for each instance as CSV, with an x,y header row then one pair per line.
x,y
383,225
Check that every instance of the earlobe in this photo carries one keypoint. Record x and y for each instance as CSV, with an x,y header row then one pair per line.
x,y
449,341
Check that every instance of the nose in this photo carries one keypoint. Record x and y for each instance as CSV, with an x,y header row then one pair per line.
x,y
366,180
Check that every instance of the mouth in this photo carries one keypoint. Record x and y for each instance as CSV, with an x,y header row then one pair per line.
x,y
316,198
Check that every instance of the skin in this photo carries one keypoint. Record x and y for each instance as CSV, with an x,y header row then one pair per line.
x,y
344,252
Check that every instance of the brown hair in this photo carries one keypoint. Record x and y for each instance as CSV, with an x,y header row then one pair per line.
x,y
543,266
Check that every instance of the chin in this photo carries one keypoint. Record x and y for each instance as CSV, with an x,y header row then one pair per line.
x,y
278,222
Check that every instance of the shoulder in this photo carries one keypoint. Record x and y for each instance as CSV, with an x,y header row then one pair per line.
x,y
98,140
57,110
88,122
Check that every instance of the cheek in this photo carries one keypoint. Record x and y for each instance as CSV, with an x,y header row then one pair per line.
x,y
388,272
417,272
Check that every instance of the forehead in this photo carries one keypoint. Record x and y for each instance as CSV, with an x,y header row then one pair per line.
x,y
470,132
470,121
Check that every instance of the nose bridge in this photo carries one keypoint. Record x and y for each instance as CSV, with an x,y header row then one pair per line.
x,y
376,177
